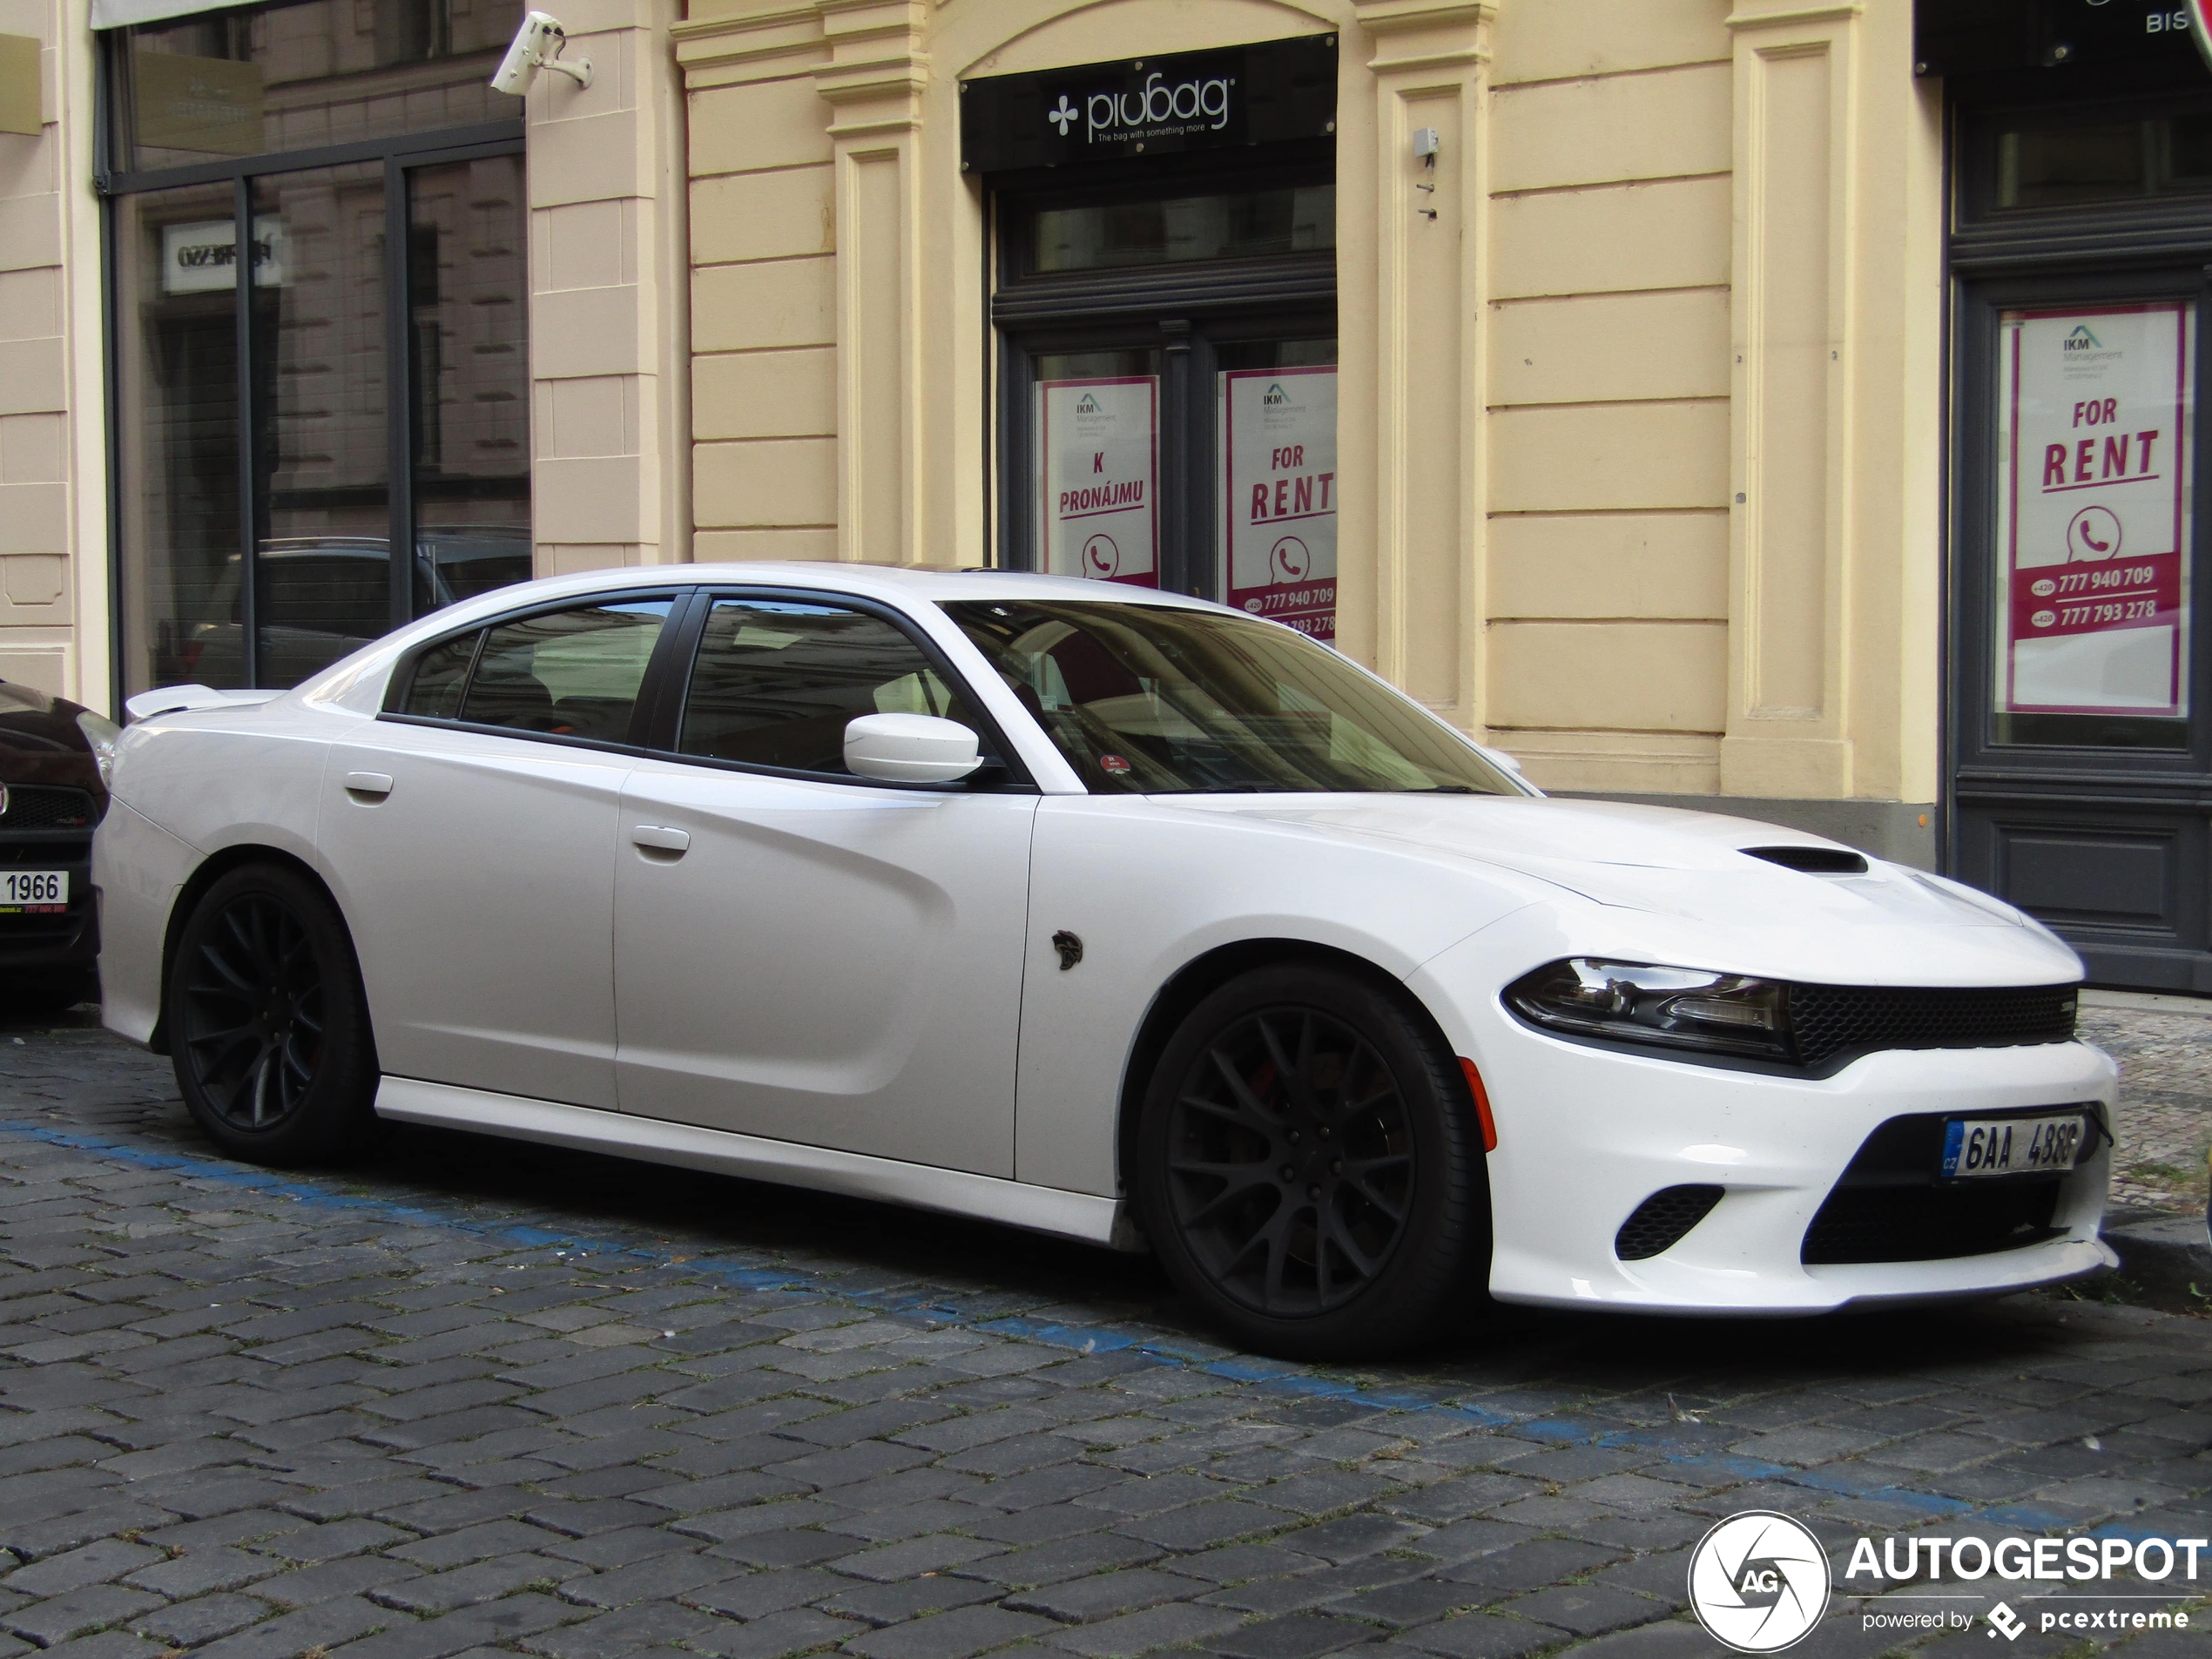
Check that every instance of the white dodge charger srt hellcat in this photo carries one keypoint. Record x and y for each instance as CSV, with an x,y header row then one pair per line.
x,y
1095,911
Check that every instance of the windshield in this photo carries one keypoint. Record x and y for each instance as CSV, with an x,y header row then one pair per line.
x,y
1144,699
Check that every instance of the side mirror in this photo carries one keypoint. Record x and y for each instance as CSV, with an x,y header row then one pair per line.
x,y
909,749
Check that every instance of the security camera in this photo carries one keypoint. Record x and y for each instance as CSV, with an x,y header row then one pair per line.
x,y
537,45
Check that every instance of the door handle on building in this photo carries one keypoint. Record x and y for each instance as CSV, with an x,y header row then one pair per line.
x,y
658,837
368,786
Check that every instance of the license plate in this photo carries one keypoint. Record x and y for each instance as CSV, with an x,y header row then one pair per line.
x,y
1974,1147
33,890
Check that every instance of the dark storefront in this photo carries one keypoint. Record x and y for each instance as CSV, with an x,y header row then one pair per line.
x,y
307,458
1165,301
2080,669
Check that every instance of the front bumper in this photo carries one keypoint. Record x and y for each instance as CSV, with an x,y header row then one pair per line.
x,y
1586,1134
34,947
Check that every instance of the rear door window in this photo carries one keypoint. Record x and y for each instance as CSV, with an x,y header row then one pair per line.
x,y
569,673
573,673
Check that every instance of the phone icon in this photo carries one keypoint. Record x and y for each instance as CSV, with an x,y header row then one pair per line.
x,y
2093,533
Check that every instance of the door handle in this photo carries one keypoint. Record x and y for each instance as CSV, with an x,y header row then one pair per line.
x,y
660,838
376,785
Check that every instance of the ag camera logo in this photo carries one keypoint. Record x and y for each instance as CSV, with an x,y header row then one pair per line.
x,y
1759,1581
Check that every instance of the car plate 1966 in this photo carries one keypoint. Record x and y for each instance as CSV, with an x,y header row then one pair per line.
x,y
1975,1147
34,890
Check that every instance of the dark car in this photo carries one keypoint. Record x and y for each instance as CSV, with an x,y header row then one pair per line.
x,y
324,596
53,790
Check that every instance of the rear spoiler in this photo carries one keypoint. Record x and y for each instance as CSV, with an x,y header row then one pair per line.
x,y
172,699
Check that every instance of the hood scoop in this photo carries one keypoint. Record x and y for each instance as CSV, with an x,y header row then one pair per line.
x,y
1810,861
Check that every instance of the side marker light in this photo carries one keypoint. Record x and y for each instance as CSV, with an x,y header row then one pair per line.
x,y
1481,1105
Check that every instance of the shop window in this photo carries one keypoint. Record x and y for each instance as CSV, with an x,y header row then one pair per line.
x,y
339,442
1288,219
302,76
2073,158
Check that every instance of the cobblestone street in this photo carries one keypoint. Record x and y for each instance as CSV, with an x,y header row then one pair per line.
x,y
2166,1098
471,1396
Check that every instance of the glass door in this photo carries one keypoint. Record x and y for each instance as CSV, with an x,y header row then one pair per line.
x,y
1167,408
2083,761
1275,462
1095,454
335,444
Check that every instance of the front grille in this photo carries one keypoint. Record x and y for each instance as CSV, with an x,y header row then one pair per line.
x,y
45,850
1930,1224
1893,1205
40,928
42,806
1661,1220
1833,1021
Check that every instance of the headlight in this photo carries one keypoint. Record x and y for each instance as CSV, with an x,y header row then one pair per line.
x,y
100,733
1672,1007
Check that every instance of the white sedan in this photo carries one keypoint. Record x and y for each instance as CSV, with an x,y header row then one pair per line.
x,y
1099,912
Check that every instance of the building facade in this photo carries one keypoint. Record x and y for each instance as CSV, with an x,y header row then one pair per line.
x,y
1675,393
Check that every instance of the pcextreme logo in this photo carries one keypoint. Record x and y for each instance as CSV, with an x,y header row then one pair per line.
x,y
1759,1581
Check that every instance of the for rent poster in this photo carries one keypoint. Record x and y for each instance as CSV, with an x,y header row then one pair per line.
x,y
2094,503
1099,450
1278,441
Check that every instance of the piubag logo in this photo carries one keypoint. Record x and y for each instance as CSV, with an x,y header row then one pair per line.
x,y
1155,105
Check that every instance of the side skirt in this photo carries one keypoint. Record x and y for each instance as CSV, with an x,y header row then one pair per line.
x,y
1049,1209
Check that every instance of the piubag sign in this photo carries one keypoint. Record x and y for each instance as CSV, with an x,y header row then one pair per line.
x,y
1269,92
2093,464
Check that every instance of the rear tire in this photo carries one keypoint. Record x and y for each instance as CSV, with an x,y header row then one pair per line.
x,y
1310,1169
268,1027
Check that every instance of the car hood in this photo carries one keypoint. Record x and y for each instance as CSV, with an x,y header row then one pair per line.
x,y
1656,859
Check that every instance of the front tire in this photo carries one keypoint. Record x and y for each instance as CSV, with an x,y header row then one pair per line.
x,y
268,1027
1310,1169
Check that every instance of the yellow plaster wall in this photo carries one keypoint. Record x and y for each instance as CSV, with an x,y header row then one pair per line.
x,y
1553,396
53,541
763,204
610,352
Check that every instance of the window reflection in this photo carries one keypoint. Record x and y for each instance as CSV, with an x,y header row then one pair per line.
x,y
176,335
1163,231
315,73
322,484
2050,162
468,346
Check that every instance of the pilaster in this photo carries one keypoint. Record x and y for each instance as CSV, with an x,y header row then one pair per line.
x,y
1417,614
874,83
1797,186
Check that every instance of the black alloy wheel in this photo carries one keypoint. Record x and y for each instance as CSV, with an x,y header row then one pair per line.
x,y
1290,1162
265,1019
1310,1169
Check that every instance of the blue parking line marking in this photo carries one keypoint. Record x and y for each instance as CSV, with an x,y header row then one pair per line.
x,y
1162,1348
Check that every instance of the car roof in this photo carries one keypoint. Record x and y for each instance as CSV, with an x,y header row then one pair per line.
x,y
891,583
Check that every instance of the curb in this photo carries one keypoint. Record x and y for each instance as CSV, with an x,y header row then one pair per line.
x,y
2169,1257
